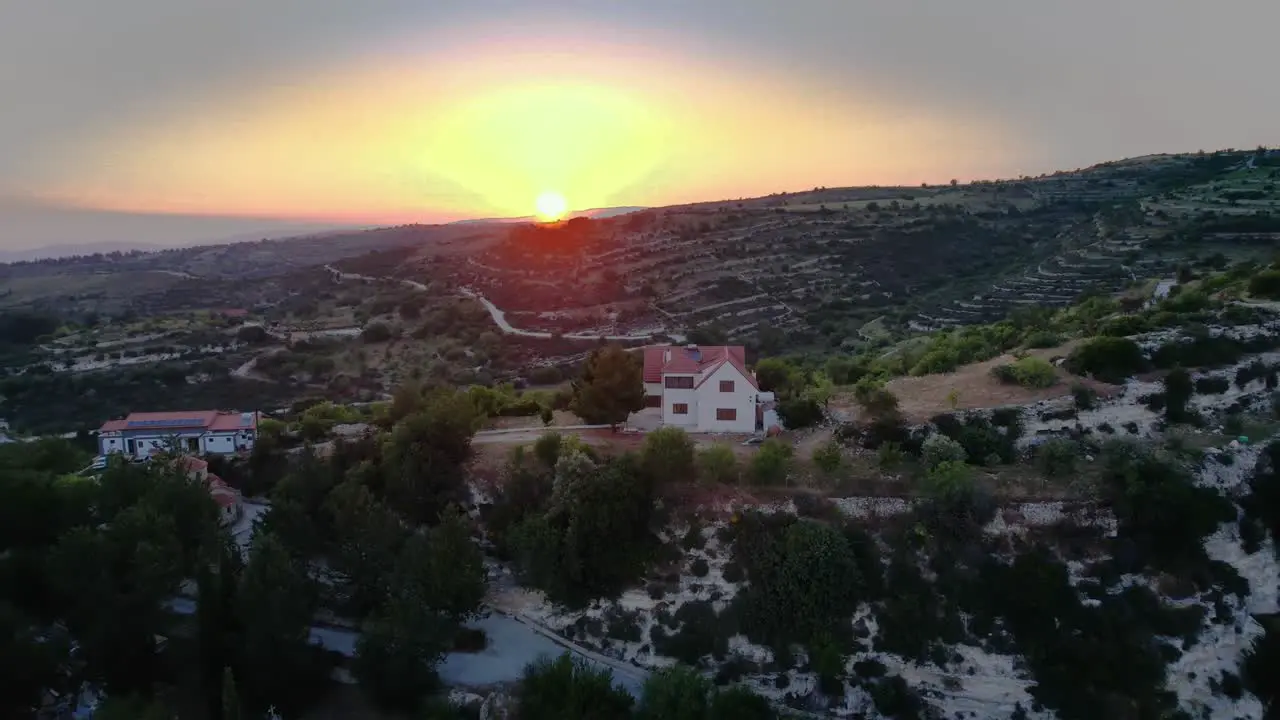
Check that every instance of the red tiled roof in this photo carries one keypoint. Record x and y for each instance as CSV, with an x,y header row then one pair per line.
x,y
682,361
231,421
732,360
209,420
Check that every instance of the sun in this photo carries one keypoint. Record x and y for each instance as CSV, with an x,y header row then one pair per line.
x,y
551,206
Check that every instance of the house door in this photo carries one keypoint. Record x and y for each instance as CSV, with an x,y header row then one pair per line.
x,y
193,444
132,446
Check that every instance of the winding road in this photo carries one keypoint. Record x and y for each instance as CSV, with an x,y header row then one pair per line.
x,y
498,315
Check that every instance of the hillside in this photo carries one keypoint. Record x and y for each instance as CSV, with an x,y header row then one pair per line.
x,y
1029,466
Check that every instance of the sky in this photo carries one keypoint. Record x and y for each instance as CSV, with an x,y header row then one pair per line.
x,y
168,122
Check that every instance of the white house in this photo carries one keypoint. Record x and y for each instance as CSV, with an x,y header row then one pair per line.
x,y
204,432
702,389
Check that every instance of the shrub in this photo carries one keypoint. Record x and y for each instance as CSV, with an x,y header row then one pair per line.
x,y
565,689
939,449
1086,397
1109,359
1041,339
1057,457
1178,390
804,578
828,456
717,464
1212,385
668,455
699,568
547,448
376,332
952,478
1266,284
771,463
798,412
1029,372
876,401
890,455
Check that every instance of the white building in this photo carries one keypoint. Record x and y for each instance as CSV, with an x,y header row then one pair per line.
x,y
203,432
702,389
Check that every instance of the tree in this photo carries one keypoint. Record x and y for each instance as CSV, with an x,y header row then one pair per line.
x,y
366,537
776,375
230,698
717,464
275,607
611,387
425,457
443,569
675,693
398,651
668,455
804,579
593,539
565,689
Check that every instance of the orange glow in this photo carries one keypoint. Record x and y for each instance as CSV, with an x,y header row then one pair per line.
x,y
478,130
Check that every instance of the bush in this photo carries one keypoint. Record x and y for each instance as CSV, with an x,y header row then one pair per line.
x,y
547,448
668,455
1042,339
804,579
797,412
1109,359
1266,284
717,464
828,456
1057,457
877,402
949,479
376,332
1178,390
699,568
1212,385
1029,372
771,463
890,455
565,689
1086,397
939,449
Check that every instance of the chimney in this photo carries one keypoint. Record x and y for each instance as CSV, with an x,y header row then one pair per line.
x,y
666,356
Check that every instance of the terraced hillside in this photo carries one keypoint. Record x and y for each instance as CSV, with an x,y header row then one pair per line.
x,y
832,268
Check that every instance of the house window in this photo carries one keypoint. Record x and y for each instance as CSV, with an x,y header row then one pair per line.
x,y
679,383
679,408
726,413
726,386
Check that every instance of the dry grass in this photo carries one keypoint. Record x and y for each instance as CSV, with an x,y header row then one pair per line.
x,y
923,397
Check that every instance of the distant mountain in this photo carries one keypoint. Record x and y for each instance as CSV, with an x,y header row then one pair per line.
x,y
592,213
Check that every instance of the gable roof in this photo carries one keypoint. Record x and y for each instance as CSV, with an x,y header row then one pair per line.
x,y
684,361
183,420
739,366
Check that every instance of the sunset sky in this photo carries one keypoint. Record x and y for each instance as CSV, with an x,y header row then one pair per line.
x,y
261,113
